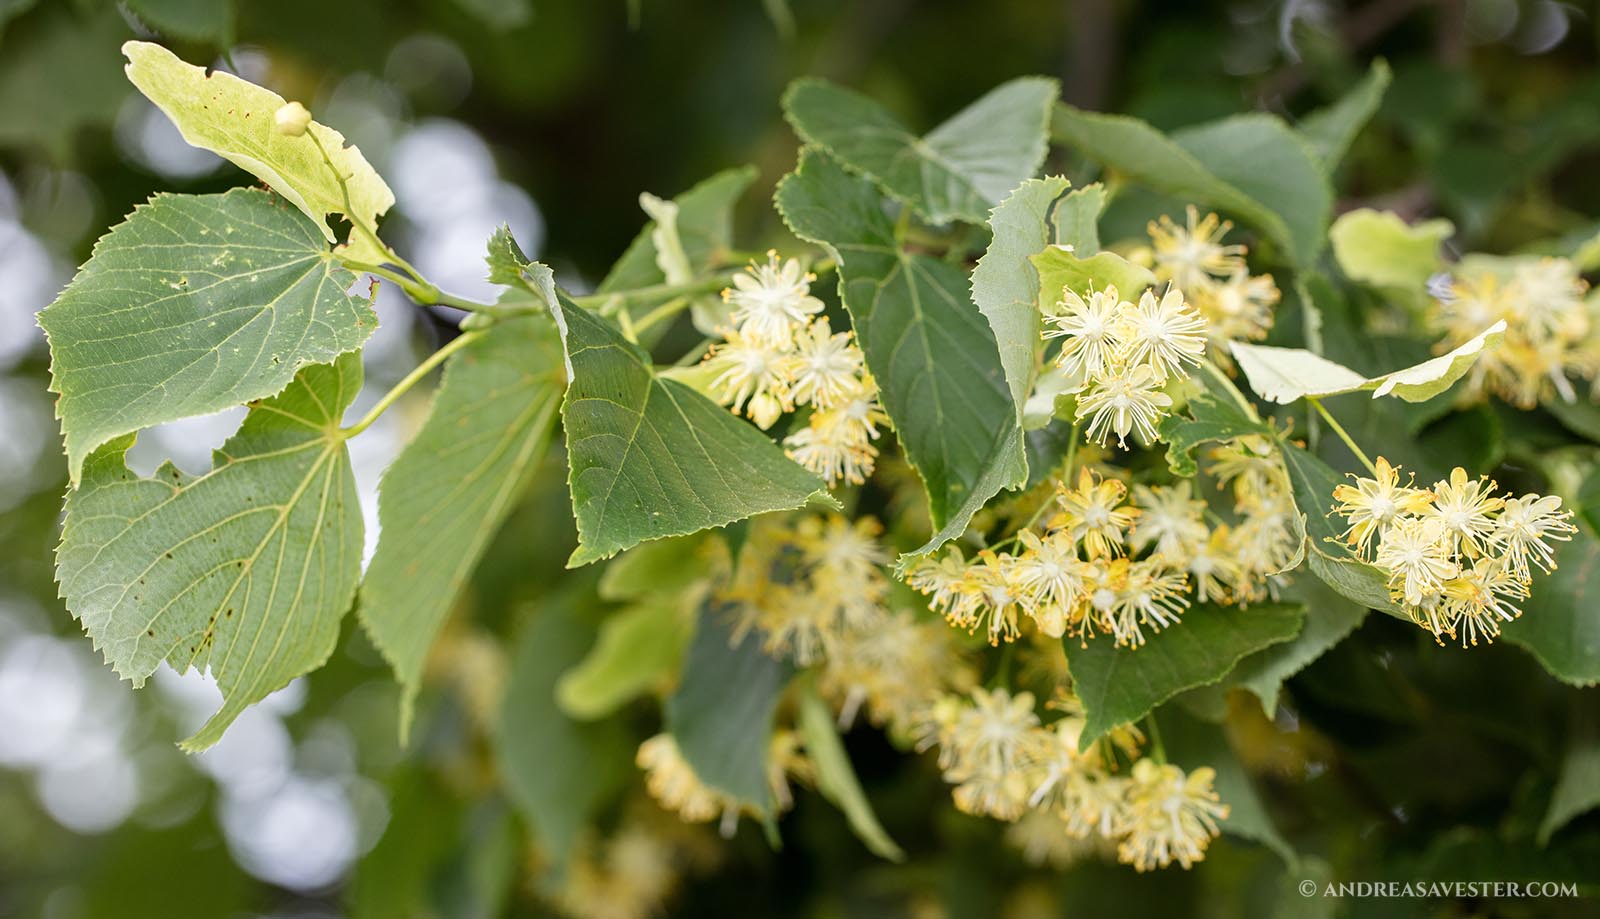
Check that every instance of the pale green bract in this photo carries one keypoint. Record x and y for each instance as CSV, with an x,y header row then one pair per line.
x,y
1284,375
652,458
959,170
244,571
490,426
1061,269
1378,248
195,304
1005,284
233,118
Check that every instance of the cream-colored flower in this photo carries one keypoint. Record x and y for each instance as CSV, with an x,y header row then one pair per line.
x,y
1126,401
1164,335
1171,816
1190,254
1372,504
1090,329
827,367
772,301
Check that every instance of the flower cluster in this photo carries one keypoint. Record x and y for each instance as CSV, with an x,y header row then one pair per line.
x,y
672,782
1118,355
815,590
1551,332
1242,562
1237,305
1459,558
1075,578
1005,764
780,354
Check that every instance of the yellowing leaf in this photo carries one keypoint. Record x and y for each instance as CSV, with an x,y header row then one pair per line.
x,y
233,118
1283,375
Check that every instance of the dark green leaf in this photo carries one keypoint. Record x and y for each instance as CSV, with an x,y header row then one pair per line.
x,y
1558,624
1208,419
1120,685
721,715
652,458
1330,617
960,169
930,349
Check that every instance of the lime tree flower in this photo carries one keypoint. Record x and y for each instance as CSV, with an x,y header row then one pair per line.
x,y
780,355
772,302
1191,254
1458,557
1170,815
1551,331
672,782
1118,356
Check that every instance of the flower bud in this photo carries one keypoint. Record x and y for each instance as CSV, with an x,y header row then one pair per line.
x,y
291,119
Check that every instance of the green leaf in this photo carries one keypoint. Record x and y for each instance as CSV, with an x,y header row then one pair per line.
x,y
233,118
1208,419
1005,285
246,570
1577,788
721,715
559,772
1192,744
1120,685
191,20
1378,248
836,777
1251,166
1076,219
1061,270
191,306
1284,375
448,491
959,170
1330,618
652,458
1330,130
639,647
1558,625
929,348
1264,158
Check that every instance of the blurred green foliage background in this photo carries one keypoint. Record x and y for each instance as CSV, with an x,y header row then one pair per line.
x,y
555,114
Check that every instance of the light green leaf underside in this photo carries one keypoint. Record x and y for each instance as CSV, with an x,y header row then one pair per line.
x,y
1061,270
932,353
558,772
1120,685
652,458
1558,624
836,777
245,571
1577,788
448,491
193,305
959,170
1329,131
1378,248
1076,218
1251,166
667,567
1284,375
1005,285
721,715
638,648
233,118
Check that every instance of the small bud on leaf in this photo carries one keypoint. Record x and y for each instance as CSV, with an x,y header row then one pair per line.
x,y
291,119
